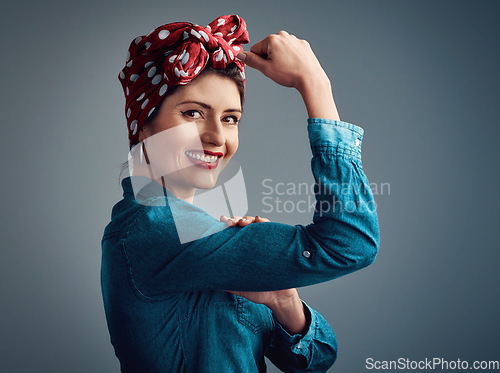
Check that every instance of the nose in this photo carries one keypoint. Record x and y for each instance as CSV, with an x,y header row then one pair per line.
x,y
212,132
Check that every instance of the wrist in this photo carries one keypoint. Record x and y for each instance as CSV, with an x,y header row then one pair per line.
x,y
316,92
313,82
289,312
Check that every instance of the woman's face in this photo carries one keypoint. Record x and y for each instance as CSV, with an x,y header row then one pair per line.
x,y
194,134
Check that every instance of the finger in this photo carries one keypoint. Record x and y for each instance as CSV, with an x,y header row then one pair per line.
x,y
253,60
244,221
259,219
225,219
262,47
229,221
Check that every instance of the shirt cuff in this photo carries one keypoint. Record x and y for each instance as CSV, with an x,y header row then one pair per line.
x,y
299,343
337,136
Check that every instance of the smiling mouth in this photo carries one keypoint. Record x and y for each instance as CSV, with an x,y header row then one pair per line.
x,y
204,159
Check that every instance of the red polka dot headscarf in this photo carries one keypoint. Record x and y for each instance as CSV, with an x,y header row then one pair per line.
x,y
175,54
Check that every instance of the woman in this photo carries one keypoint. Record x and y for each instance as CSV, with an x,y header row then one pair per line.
x,y
184,292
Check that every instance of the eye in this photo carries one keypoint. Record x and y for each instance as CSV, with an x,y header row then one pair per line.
x,y
231,119
194,114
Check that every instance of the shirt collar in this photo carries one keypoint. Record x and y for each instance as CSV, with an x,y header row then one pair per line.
x,y
145,191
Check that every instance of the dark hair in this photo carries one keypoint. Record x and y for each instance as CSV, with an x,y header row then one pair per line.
x,y
233,72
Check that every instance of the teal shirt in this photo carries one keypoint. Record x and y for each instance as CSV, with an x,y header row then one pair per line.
x,y
165,303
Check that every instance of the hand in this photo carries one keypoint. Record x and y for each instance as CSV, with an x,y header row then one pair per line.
x,y
284,58
242,221
285,305
290,62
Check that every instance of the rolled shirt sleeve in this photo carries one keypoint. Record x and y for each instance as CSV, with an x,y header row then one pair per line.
x,y
340,137
314,351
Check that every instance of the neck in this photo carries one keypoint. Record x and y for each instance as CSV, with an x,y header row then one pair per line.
x,y
186,194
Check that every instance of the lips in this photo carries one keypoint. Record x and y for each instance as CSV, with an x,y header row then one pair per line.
x,y
204,158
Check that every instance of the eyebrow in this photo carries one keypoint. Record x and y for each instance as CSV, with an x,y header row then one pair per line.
x,y
207,106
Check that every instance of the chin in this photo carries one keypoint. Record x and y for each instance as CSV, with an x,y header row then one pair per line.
x,y
206,185
205,182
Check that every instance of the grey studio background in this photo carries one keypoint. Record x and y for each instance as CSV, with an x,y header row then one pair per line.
x,y
421,78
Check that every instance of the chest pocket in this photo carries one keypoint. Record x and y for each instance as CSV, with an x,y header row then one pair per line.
x,y
256,317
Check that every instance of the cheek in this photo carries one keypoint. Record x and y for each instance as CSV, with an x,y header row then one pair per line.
x,y
169,145
232,142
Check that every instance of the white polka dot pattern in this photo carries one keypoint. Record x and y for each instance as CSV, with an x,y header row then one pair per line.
x,y
156,79
151,72
133,126
163,89
163,34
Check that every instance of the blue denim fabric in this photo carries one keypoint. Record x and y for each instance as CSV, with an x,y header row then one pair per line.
x,y
165,303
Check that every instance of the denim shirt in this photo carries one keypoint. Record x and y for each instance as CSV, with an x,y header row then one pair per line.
x,y
165,303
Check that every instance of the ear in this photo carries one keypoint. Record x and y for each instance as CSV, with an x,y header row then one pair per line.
x,y
142,135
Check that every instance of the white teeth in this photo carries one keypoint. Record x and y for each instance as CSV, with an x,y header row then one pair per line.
x,y
202,157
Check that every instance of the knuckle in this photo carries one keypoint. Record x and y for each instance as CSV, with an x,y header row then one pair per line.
x,y
273,38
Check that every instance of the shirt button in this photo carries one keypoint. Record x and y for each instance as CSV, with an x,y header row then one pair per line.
x,y
306,254
357,142
299,345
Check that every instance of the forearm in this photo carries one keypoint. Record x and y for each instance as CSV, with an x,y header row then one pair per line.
x,y
316,92
290,314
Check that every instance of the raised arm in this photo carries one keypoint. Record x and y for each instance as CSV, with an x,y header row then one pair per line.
x,y
343,237
290,62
